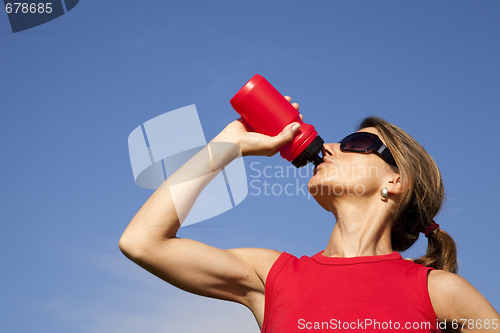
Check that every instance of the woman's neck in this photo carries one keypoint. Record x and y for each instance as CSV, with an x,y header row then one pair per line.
x,y
360,231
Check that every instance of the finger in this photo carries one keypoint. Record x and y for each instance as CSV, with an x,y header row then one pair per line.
x,y
284,137
288,98
301,116
296,106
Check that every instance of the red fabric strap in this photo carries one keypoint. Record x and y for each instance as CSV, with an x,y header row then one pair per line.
x,y
433,226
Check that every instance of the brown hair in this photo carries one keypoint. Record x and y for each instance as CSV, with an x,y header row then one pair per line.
x,y
421,201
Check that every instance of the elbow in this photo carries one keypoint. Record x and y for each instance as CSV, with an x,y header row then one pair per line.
x,y
124,245
131,246
138,242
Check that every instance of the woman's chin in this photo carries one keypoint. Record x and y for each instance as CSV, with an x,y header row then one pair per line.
x,y
322,200
317,190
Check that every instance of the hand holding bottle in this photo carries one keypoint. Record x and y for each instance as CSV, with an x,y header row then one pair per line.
x,y
253,143
267,112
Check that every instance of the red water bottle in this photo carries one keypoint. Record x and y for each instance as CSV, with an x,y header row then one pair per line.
x,y
268,112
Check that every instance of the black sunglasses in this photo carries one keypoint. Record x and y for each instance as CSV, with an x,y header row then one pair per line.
x,y
363,142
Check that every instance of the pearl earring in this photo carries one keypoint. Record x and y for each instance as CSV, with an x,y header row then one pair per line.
x,y
384,194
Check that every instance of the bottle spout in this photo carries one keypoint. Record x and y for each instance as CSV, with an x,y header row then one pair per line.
x,y
317,160
310,154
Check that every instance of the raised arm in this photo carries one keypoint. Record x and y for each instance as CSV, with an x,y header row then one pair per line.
x,y
463,307
150,238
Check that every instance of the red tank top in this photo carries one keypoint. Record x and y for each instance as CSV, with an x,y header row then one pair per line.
x,y
363,294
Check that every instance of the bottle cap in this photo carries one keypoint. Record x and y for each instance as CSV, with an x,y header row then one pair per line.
x,y
310,153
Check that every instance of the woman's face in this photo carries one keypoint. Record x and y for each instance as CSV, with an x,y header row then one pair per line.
x,y
348,174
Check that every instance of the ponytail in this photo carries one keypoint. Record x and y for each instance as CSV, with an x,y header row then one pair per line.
x,y
441,252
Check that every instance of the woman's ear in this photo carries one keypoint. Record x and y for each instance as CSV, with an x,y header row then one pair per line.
x,y
395,186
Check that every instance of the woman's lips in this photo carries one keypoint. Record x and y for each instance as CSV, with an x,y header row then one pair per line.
x,y
316,168
325,161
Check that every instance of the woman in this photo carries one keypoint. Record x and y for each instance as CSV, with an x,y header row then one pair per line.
x,y
358,282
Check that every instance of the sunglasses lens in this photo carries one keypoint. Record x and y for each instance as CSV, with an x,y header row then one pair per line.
x,y
358,142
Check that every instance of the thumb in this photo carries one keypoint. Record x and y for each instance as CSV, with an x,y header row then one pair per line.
x,y
286,135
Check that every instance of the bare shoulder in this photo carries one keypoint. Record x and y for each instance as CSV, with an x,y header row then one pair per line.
x,y
453,297
445,284
261,260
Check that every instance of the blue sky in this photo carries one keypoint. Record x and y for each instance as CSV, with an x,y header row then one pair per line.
x,y
73,89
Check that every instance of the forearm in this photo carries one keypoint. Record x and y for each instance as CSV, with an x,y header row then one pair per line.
x,y
163,213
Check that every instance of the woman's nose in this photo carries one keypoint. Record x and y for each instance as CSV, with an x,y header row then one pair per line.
x,y
330,149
